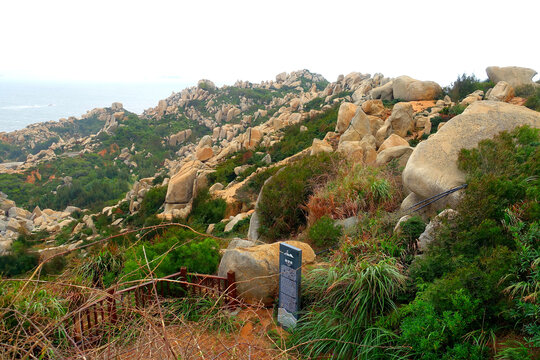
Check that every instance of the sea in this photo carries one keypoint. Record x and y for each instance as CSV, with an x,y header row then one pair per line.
x,y
25,102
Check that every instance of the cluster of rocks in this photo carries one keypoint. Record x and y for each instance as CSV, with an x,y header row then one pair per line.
x,y
37,133
15,221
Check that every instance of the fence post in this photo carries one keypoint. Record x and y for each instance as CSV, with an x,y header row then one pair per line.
x,y
232,301
112,306
184,279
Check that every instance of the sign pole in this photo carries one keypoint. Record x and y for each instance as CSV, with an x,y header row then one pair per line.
x,y
290,275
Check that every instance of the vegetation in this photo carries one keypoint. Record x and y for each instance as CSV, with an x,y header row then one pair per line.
x,y
174,250
465,85
453,110
294,140
325,232
10,152
533,101
284,196
206,210
356,189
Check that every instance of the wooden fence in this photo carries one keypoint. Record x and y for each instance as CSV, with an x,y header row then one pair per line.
x,y
90,320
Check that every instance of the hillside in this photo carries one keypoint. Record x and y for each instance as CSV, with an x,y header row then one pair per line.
x,y
212,178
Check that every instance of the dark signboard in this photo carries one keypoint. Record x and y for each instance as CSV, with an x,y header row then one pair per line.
x,y
290,270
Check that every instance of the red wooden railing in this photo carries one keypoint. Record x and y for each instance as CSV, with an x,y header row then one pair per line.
x,y
90,320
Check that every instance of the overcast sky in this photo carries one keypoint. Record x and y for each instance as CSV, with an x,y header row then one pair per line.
x,y
224,41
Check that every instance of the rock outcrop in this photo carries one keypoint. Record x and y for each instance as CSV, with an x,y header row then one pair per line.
x,y
501,92
432,167
257,269
409,89
513,75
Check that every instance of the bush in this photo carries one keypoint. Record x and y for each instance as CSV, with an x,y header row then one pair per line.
x,y
283,199
168,254
465,85
206,210
533,102
413,228
483,250
453,110
152,201
325,232
434,335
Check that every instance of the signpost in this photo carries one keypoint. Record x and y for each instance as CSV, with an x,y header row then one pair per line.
x,y
290,271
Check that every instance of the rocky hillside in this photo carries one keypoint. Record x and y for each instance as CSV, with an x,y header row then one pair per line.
x,y
337,167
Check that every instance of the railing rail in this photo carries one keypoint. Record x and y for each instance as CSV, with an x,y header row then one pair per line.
x,y
89,319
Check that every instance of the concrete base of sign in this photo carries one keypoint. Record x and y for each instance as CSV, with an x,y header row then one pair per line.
x,y
286,319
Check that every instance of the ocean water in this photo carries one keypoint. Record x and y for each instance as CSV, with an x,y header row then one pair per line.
x,y
24,103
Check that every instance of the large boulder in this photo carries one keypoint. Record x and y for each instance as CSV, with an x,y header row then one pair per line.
x,y
320,146
503,91
393,140
402,153
384,92
374,107
432,167
204,153
401,120
256,269
345,114
180,189
352,150
359,127
409,89
513,75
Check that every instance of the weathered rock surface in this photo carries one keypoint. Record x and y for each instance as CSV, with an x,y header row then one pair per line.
x,y
501,92
513,75
401,120
434,225
359,127
391,141
345,114
432,167
257,269
320,146
409,89
384,92
397,152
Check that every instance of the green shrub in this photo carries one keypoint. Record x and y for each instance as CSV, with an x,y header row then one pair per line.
x,y
533,101
174,250
477,253
453,110
434,335
413,228
207,210
152,201
325,232
465,85
283,199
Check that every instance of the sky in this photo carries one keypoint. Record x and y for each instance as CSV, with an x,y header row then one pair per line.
x,y
225,41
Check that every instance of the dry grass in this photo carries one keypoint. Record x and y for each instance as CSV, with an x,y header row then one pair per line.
x,y
48,319
356,189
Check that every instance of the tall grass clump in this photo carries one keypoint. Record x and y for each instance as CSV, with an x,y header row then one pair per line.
x,y
344,301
